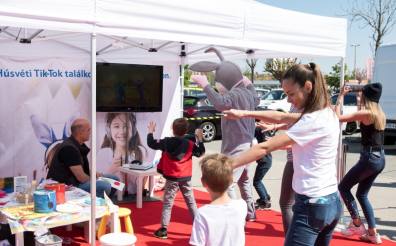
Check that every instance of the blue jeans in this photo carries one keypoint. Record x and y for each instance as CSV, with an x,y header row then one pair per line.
x,y
370,164
263,165
314,220
101,186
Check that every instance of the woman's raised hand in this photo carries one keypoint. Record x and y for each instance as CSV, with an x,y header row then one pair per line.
x,y
151,127
345,89
233,114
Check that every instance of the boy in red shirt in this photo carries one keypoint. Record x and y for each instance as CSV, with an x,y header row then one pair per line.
x,y
176,167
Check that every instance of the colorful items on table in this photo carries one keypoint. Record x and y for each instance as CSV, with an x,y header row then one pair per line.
x,y
44,201
7,184
59,190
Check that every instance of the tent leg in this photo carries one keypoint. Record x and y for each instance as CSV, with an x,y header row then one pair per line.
x,y
93,147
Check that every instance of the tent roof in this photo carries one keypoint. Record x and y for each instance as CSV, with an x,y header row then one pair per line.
x,y
245,24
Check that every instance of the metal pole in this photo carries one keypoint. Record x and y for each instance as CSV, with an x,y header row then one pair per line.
x,y
340,149
183,57
354,61
93,147
341,161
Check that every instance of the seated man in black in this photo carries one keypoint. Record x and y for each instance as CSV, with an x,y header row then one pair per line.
x,y
70,163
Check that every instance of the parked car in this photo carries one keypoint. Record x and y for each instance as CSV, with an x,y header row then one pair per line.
x,y
350,106
200,113
280,105
261,92
271,97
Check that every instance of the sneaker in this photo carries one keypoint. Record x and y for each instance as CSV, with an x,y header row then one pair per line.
x,y
354,230
376,239
161,233
263,205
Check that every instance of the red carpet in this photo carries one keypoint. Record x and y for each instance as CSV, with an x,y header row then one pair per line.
x,y
267,230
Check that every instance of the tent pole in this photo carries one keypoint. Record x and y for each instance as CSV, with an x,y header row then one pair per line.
x,y
183,57
341,161
340,164
93,140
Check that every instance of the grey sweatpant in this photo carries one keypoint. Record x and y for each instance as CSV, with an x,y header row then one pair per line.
x,y
241,178
171,188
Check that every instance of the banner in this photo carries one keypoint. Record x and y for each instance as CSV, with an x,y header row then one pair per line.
x,y
39,99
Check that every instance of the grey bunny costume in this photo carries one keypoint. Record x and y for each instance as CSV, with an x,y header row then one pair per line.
x,y
237,135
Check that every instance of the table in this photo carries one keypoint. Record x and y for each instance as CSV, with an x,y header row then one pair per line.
x,y
22,218
140,175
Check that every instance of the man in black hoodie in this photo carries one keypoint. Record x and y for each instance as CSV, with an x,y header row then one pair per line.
x,y
176,167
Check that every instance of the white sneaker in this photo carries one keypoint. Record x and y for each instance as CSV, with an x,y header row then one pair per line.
x,y
376,239
354,230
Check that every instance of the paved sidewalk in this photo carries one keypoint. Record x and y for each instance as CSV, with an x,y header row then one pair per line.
x,y
382,194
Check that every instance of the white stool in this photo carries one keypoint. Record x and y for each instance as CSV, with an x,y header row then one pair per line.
x,y
140,176
118,239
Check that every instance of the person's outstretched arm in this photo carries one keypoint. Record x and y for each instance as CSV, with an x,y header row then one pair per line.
x,y
151,142
268,116
220,102
360,115
262,149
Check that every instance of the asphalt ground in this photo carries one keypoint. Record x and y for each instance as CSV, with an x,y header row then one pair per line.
x,y
382,195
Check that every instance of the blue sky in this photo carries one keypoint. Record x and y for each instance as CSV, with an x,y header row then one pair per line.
x,y
356,33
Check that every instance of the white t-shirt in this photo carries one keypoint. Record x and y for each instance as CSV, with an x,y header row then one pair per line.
x,y
316,137
220,224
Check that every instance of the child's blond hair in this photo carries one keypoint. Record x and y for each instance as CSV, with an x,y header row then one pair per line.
x,y
217,172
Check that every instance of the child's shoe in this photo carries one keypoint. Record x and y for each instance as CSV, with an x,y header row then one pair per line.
x,y
376,239
161,233
354,230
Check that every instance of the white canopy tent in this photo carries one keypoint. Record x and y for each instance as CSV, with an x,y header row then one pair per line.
x,y
132,31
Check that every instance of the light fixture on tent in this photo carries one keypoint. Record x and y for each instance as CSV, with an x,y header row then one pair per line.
x,y
250,54
29,39
183,54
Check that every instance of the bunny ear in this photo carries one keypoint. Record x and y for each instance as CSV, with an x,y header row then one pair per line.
x,y
218,53
44,134
204,66
66,128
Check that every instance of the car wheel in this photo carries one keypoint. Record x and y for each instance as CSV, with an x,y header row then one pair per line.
x,y
209,131
350,128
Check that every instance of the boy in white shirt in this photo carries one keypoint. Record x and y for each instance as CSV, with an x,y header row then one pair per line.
x,y
222,222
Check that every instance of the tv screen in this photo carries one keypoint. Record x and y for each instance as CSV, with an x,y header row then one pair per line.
x,y
128,87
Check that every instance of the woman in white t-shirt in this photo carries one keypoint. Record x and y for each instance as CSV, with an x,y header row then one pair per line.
x,y
314,139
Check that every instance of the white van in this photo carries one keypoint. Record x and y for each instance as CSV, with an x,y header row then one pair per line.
x,y
385,73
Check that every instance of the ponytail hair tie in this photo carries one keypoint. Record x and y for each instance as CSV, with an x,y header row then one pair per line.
x,y
312,65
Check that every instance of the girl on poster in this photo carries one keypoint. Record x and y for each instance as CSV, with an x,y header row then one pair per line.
x,y
121,144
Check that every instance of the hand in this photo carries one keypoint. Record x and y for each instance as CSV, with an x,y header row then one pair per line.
x,y
345,89
265,126
246,81
151,127
233,114
201,80
199,134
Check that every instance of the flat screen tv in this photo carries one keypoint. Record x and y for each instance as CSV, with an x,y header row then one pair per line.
x,y
128,87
